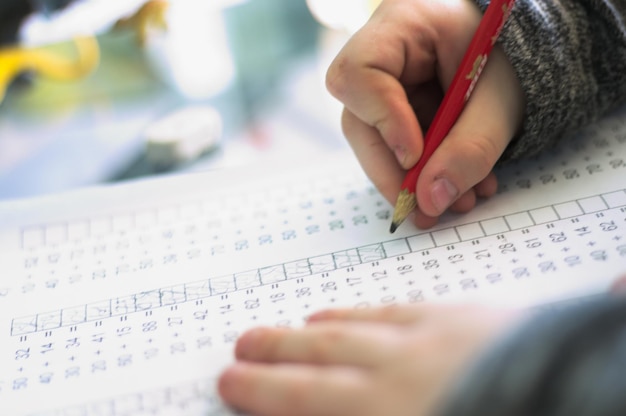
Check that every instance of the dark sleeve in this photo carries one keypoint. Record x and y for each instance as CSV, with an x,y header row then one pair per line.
x,y
570,361
570,57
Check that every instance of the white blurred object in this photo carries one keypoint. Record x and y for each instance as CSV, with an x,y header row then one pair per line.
x,y
193,55
182,135
79,18
90,17
344,15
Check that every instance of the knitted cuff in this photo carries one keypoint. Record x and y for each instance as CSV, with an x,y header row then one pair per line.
x,y
558,363
547,45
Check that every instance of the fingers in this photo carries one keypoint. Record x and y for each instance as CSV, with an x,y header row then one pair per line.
x,y
327,343
375,157
619,286
366,79
487,187
468,154
286,389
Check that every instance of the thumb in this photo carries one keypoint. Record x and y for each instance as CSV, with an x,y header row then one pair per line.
x,y
476,141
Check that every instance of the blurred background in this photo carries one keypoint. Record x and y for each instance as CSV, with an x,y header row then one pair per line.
x,y
102,91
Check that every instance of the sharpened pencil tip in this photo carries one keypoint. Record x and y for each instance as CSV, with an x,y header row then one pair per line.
x,y
404,205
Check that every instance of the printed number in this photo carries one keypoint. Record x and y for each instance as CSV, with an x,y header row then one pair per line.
x,y
594,168
379,275
558,237
608,226
415,296
383,214
547,266
507,248
571,174
441,289
407,268
336,225
312,229
572,260
303,291
599,255
533,243
520,272
455,258
494,277
430,264
468,284
359,219
22,354
582,231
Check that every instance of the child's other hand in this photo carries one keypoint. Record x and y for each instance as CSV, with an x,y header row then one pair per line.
x,y
385,361
390,76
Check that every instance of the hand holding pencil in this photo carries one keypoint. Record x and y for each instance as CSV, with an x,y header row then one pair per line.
x,y
391,94
454,100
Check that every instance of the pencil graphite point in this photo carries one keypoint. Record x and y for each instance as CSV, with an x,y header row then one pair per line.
x,y
404,205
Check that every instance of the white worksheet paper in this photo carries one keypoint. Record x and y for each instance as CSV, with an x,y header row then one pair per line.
x,y
126,300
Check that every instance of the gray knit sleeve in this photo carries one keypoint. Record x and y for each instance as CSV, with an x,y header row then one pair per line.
x,y
570,57
571,361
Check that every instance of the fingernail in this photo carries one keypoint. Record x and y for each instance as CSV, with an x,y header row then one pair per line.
x,y
248,342
321,315
229,382
443,193
400,154
619,286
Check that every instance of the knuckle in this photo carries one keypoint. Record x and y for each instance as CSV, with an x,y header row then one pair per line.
x,y
482,152
322,348
337,79
348,124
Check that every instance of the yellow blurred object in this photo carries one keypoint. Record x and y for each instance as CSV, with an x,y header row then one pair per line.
x,y
374,4
150,15
47,63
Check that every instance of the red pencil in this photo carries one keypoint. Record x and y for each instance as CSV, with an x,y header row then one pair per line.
x,y
454,100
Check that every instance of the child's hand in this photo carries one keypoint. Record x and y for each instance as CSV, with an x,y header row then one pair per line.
x,y
384,361
390,76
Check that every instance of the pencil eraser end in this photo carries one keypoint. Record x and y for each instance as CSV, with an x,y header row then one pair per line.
x,y
182,136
